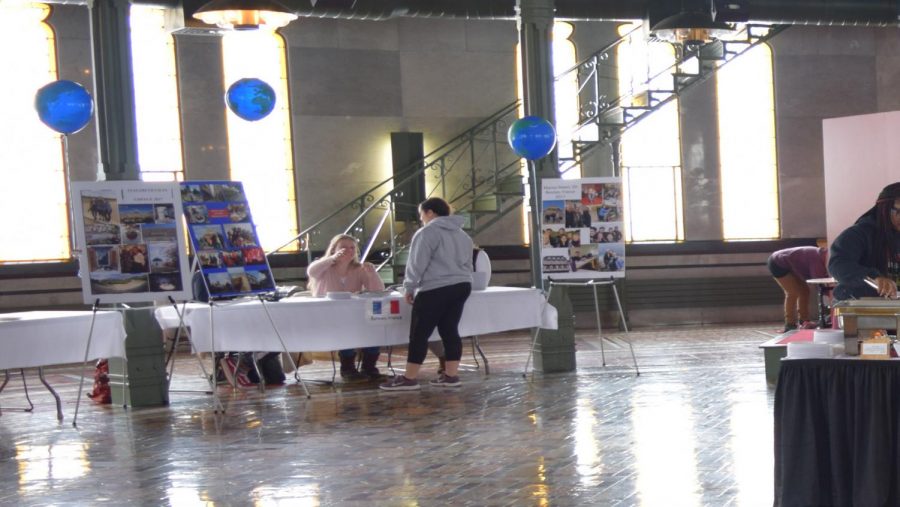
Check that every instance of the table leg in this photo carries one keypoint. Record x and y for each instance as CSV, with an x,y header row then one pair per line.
x,y
477,346
822,308
59,414
24,386
5,381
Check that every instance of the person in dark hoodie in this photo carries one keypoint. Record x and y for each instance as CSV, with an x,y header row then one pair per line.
x,y
437,283
870,248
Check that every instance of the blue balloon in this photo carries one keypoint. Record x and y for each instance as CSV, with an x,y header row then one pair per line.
x,y
250,98
65,106
531,137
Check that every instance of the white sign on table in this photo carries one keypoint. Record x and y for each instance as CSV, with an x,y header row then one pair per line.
x,y
383,309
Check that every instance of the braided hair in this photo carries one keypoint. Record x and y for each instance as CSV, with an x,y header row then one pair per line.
x,y
884,228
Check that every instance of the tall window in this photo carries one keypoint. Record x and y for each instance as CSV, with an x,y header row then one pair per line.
x,y
261,153
33,194
749,176
155,95
565,93
650,150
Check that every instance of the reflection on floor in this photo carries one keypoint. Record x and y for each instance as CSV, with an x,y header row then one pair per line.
x,y
695,428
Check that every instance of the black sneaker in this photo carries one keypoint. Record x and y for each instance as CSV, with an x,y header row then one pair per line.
x,y
789,327
401,383
444,380
374,375
353,375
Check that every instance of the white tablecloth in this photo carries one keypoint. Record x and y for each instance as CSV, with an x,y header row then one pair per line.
x,y
317,324
32,339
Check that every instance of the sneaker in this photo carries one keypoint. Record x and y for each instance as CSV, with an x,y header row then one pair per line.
x,y
235,375
401,383
243,380
445,381
808,324
353,375
373,374
789,327
228,366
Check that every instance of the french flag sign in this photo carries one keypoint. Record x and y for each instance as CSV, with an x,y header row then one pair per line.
x,y
383,309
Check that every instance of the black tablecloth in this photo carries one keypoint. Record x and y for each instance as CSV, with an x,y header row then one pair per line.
x,y
837,433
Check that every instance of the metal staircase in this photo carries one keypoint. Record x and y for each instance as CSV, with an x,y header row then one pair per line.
x,y
480,176
475,172
603,121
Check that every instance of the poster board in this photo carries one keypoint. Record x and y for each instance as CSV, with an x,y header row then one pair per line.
x,y
582,229
860,158
131,241
224,239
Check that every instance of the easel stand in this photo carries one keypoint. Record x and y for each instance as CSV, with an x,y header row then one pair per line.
x,y
87,349
593,284
171,356
217,402
284,348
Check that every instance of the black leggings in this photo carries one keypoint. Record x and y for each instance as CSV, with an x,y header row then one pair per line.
x,y
441,308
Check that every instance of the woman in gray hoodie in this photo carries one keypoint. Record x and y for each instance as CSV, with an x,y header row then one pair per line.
x,y
437,282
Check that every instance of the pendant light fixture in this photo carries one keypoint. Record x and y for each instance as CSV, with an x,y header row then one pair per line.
x,y
245,14
697,26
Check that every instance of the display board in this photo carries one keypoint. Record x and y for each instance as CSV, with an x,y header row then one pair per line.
x,y
582,234
224,239
130,241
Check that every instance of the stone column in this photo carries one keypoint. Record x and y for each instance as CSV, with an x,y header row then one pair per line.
x,y
114,89
118,160
555,350
535,21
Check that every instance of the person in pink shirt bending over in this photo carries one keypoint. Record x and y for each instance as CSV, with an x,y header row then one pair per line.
x,y
340,270
792,267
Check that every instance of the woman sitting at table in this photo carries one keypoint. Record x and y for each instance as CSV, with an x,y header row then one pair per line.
x,y
870,248
340,270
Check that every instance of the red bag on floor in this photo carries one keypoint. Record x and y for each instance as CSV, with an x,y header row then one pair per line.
x,y
101,392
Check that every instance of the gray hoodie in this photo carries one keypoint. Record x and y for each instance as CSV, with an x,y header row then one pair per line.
x,y
440,255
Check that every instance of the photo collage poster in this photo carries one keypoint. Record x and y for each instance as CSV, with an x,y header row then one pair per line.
x,y
131,241
582,228
224,239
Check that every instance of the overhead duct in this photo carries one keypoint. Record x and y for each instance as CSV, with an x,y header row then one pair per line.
x,y
821,12
811,12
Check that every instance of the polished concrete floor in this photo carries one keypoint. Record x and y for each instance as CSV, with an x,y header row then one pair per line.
x,y
695,428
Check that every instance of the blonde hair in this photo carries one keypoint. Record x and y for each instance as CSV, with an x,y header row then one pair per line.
x,y
332,246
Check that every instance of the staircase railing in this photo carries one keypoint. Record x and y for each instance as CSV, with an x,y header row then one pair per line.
x,y
612,117
459,170
468,169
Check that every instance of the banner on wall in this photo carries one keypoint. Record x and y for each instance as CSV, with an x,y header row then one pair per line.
x,y
131,241
224,239
582,228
